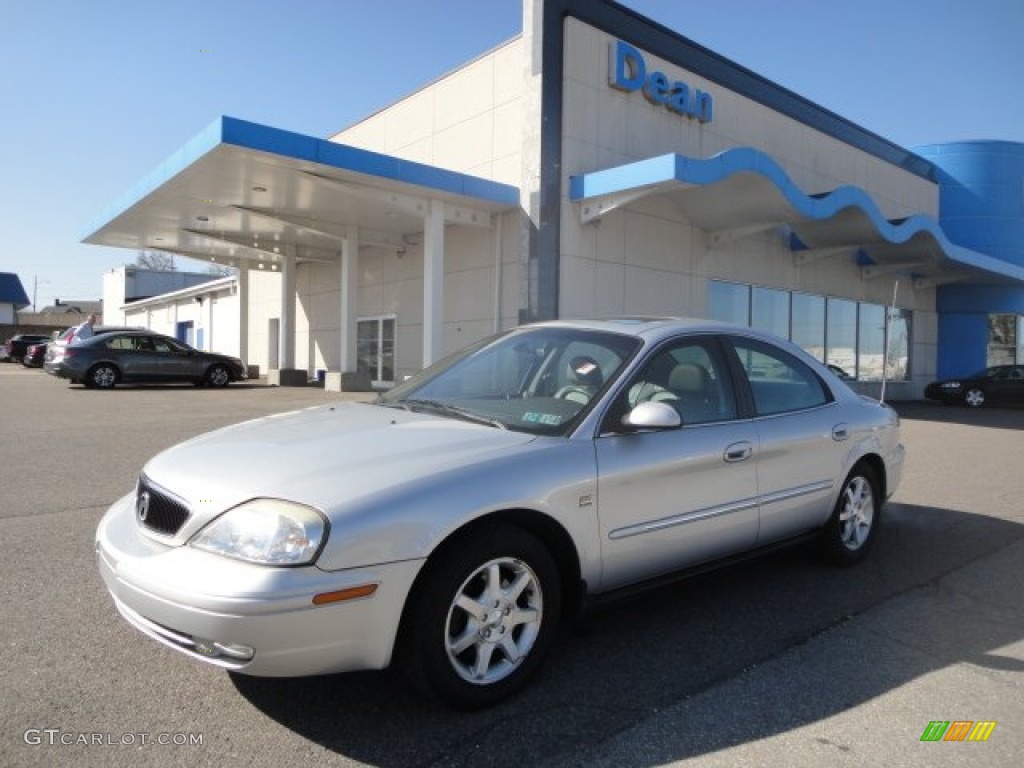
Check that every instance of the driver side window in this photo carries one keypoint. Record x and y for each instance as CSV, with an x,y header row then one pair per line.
x,y
689,376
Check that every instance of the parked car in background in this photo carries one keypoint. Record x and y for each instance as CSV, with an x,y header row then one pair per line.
x,y
18,345
997,385
112,358
35,356
840,372
449,526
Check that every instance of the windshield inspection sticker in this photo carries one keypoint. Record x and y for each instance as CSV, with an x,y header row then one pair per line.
x,y
547,419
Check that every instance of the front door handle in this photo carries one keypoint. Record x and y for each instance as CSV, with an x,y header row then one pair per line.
x,y
740,451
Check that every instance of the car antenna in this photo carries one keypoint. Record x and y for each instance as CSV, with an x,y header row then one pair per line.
x,y
885,341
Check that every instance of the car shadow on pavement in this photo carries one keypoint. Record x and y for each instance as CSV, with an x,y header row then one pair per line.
x,y
893,619
183,387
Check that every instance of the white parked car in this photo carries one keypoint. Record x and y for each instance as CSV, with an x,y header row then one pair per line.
x,y
452,524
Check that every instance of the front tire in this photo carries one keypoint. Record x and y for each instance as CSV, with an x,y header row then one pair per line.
x,y
218,376
850,532
482,618
102,376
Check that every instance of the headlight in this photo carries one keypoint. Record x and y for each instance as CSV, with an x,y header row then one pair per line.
x,y
266,531
950,385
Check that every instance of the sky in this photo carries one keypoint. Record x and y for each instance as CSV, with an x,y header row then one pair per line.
x,y
95,94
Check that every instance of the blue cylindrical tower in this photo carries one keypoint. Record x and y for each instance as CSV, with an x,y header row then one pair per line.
x,y
981,207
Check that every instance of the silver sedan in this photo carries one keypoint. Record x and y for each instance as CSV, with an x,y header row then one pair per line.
x,y
449,526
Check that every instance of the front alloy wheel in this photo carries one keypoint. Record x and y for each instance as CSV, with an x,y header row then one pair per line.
x,y
494,620
483,617
218,376
974,398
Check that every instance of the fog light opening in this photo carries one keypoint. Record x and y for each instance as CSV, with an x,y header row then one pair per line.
x,y
214,650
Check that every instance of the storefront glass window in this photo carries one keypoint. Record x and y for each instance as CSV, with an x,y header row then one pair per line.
x,y
809,324
729,302
898,357
769,311
841,335
847,334
375,349
1002,339
870,342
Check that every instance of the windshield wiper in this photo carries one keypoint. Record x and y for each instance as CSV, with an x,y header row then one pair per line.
x,y
453,410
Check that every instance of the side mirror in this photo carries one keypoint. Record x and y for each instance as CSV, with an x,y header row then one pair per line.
x,y
653,415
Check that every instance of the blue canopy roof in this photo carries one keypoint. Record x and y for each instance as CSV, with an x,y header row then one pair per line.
x,y
745,188
12,291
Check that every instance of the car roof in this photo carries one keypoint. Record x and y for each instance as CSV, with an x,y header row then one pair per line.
x,y
651,329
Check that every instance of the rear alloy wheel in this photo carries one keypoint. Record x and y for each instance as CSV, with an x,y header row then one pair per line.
x,y
974,398
218,376
482,619
102,376
850,531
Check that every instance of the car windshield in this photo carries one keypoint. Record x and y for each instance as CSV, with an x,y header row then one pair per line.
x,y
538,380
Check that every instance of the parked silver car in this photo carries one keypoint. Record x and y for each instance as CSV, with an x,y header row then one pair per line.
x,y
452,524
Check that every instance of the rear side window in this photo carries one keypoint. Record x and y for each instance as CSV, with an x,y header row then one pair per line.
x,y
779,382
119,342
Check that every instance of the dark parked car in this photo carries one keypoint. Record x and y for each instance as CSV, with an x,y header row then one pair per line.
x,y
18,345
35,356
999,384
141,356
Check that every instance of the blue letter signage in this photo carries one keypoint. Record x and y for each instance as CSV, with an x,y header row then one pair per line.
x,y
628,72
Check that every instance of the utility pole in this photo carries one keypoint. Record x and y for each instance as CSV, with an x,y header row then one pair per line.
x,y
35,289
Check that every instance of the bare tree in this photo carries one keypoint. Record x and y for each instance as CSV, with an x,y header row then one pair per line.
x,y
222,270
162,262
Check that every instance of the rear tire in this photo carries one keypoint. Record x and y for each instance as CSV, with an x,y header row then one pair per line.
x,y
482,617
851,531
102,376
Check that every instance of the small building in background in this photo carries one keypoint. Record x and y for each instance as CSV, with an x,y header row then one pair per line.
x,y
12,298
206,316
128,284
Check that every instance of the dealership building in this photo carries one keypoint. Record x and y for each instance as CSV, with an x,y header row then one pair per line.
x,y
598,164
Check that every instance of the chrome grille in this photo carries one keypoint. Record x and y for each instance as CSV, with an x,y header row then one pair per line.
x,y
157,510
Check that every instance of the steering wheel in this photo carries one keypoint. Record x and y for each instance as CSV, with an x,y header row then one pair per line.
x,y
574,393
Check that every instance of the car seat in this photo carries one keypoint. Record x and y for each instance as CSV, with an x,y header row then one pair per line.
x,y
694,391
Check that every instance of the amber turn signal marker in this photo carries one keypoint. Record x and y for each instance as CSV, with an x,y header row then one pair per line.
x,y
352,593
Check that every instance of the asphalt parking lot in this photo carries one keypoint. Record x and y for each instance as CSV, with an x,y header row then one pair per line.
x,y
781,661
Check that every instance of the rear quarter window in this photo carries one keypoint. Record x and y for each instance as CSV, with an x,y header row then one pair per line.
x,y
779,382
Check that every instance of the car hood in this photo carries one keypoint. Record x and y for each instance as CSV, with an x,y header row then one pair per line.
x,y
326,456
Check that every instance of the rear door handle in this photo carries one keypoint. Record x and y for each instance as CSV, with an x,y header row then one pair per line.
x,y
740,451
840,432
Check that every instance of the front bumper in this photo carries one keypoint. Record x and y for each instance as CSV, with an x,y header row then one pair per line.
x,y
253,619
944,394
